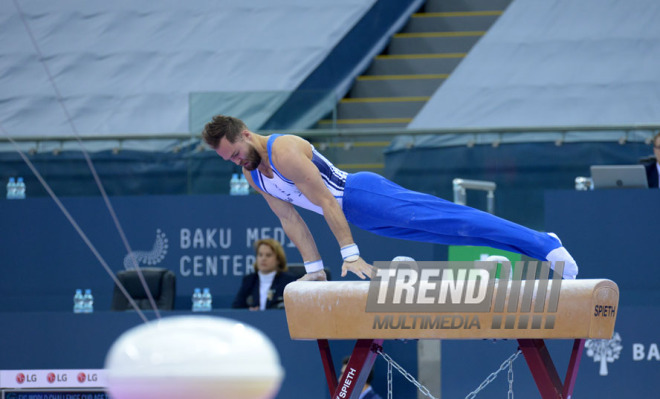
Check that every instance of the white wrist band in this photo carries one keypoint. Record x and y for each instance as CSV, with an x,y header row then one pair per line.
x,y
350,253
314,266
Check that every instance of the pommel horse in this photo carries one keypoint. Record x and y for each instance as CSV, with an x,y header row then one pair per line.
x,y
584,309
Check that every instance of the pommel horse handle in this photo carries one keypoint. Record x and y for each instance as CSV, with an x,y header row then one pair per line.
x,y
337,310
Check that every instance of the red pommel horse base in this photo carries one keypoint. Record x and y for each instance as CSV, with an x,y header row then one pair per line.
x,y
584,309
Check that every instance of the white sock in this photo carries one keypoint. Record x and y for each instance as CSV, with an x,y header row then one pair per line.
x,y
561,255
553,235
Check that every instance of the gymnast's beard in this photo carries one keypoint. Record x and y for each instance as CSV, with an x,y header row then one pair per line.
x,y
253,160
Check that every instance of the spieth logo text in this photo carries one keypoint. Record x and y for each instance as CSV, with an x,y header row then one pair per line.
x,y
466,290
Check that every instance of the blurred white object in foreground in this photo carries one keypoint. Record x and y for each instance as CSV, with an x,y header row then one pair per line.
x,y
198,357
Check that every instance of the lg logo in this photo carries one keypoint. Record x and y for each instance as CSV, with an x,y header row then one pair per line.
x,y
82,377
52,377
21,378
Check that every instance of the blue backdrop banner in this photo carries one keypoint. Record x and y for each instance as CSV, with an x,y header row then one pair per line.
x,y
207,241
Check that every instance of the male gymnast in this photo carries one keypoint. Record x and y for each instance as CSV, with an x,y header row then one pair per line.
x,y
288,171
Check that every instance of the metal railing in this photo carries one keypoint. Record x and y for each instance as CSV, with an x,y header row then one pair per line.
x,y
626,130
462,185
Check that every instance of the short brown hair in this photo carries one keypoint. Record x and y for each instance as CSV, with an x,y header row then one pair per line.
x,y
277,248
222,126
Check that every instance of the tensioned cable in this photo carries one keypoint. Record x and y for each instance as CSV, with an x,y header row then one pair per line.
x,y
75,225
60,100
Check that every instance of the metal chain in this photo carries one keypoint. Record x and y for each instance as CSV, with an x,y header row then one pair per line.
x,y
510,378
390,362
389,381
507,363
403,372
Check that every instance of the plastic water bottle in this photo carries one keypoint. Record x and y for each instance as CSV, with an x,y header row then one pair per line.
x,y
243,185
207,300
20,188
88,302
78,302
197,300
11,188
233,184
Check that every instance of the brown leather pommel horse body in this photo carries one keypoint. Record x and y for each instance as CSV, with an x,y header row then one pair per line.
x,y
574,309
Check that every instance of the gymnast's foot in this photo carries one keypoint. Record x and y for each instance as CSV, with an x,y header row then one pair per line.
x,y
314,276
561,255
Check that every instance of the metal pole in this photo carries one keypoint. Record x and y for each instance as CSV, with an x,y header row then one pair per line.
x,y
462,185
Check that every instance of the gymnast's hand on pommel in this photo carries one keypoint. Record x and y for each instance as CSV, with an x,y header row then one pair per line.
x,y
359,267
314,276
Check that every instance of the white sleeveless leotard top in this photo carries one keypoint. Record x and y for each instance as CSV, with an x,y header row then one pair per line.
x,y
284,189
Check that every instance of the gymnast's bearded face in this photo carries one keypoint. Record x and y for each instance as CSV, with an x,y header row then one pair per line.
x,y
252,159
241,152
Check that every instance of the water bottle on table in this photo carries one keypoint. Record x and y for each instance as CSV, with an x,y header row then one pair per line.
x,y
78,301
234,185
20,188
207,300
88,301
197,300
11,188
243,185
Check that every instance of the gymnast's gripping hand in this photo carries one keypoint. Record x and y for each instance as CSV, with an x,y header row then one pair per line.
x,y
314,276
359,267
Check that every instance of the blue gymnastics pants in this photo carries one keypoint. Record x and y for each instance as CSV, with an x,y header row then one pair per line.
x,y
376,204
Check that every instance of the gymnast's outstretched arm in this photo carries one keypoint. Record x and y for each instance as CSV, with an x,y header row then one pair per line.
x,y
295,228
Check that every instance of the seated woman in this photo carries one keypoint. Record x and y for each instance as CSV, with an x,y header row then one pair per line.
x,y
264,289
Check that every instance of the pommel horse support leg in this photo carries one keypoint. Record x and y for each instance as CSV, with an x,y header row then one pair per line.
x,y
563,309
